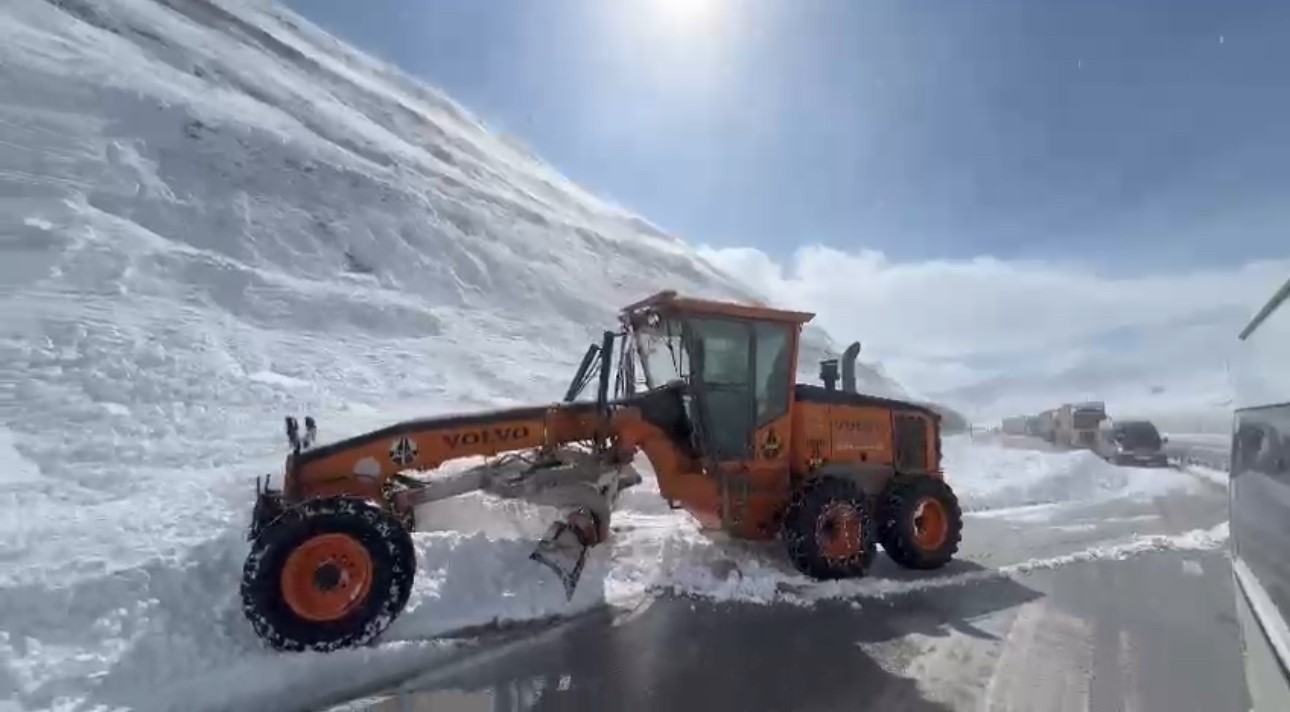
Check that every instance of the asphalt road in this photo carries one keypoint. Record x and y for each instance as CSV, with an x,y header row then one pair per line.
x,y
1153,632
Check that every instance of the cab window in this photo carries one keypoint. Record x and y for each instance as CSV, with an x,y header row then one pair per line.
x,y
773,363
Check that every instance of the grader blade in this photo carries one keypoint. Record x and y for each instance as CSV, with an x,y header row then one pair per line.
x,y
564,548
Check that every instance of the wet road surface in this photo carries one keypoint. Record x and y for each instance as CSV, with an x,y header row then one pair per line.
x,y
1152,632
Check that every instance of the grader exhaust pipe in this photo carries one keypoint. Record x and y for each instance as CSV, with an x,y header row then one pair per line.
x,y
849,367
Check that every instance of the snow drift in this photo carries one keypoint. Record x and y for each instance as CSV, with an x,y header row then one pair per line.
x,y
989,476
212,214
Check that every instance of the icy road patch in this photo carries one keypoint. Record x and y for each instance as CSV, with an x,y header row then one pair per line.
x,y
157,624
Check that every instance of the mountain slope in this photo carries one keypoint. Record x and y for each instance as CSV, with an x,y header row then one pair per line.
x,y
350,230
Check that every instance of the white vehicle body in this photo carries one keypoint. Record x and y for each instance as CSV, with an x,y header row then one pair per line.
x,y
1077,424
1259,501
1015,425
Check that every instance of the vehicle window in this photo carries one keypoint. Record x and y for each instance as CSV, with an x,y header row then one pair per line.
x,y
725,351
1138,435
727,385
663,354
1262,442
773,365
1083,419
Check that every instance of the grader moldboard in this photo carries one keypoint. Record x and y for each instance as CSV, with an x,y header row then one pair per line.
x,y
732,440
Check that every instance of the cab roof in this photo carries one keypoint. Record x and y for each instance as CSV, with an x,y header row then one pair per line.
x,y
668,301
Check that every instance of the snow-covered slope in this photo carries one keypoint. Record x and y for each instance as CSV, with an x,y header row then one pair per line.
x,y
213,206
212,214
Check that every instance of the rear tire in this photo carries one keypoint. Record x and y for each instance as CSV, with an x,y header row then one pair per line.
x,y
921,522
327,574
828,529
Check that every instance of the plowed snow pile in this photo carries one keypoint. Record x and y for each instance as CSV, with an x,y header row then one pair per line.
x,y
989,476
212,214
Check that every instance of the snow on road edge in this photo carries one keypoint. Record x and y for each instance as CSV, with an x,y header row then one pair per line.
x,y
1218,477
768,587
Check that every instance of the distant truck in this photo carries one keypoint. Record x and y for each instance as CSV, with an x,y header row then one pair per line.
x,y
1077,425
1132,442
1046,425
1015,425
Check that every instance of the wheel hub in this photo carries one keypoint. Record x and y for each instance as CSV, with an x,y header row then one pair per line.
x,y
931,525
838,531
326,577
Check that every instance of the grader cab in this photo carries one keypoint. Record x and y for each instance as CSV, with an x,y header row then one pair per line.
x,y
705,390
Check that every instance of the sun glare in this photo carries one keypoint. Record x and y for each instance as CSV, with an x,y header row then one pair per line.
x,y
686,15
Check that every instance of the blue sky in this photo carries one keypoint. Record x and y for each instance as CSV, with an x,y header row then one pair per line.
x,y
1128,134
1012,203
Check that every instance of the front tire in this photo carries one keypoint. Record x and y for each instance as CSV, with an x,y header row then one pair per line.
x,y
828,529
921,523
327,574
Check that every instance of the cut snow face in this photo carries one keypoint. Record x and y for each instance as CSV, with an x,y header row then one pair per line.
x,y
993,477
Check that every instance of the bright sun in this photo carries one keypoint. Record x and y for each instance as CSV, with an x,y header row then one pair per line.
x,y
687,15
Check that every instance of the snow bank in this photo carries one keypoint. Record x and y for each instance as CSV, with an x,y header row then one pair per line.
x,y
763,584
989,476
164,630
1218,477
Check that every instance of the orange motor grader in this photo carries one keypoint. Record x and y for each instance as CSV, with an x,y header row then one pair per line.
x,y
704,389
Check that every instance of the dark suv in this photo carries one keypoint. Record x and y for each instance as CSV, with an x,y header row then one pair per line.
x,y
1137,443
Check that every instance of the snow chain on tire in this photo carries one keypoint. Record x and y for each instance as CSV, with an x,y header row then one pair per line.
x,y
361,527
804,529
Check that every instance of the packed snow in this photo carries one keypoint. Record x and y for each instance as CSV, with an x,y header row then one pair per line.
x,y
213,214
995,477
1218,477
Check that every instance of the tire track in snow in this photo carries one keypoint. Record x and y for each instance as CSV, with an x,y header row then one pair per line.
x,y
767,586
1110,674
1044,663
